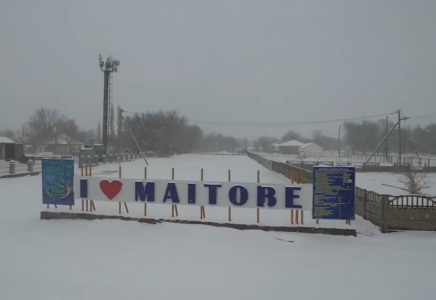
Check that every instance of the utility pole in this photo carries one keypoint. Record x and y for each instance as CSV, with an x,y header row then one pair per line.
x,y
120,127
399,135
386,133
111,65
339,141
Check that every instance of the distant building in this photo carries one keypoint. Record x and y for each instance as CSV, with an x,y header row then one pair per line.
x,y
298,148
290,147
310,149
62,147
9,150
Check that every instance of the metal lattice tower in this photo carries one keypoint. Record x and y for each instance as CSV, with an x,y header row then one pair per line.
x,y
111,65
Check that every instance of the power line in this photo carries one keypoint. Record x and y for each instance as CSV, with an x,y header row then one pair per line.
x,y
287,123
423,116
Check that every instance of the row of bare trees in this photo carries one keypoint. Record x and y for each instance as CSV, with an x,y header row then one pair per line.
x,y
48,126
168,132
366,135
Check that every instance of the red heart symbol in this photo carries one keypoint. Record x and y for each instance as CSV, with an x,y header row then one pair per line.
x,y
110,189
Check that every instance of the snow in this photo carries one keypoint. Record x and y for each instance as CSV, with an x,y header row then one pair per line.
x,y
292,143
389,183
6,140
113,259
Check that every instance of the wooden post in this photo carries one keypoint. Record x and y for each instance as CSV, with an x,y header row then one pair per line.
x,y
302,178
119,176
291,176
229,177
302,217
296,217
317,221
81,174
202,212
292,216
91,203
174,206
257,210
145,203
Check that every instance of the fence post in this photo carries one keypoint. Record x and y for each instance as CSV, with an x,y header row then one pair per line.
x,y
365,196
96,159
384,213
81,159
12,167
30,166
104,158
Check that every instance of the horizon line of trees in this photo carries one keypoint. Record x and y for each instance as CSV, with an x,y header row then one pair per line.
x,y
163,132
168,132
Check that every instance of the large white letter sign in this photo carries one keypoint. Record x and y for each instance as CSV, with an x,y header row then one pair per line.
x,y
224,194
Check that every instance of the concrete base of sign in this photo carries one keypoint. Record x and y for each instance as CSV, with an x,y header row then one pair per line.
x,y
47,215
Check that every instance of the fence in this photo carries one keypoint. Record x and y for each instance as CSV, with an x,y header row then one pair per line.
x,y
390,213
405,212
282,168
12,168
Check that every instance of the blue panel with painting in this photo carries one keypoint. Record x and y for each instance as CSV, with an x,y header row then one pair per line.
x,y
57,181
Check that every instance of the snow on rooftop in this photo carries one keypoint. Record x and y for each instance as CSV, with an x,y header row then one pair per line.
x,y
6,140
292,143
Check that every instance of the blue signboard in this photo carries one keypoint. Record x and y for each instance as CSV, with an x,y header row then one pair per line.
x,y
57,181
333,193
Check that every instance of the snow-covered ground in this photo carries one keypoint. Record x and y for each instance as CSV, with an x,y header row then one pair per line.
x,y
382,183
389,183
355,160
66,259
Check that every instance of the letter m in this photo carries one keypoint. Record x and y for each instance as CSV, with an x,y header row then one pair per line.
x,y
144,193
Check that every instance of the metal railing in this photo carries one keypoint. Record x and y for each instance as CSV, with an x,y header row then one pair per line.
x,y
412,201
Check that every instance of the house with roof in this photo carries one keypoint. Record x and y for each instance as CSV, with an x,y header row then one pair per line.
x,y
298,148
9,150
310,149
64,146
290,147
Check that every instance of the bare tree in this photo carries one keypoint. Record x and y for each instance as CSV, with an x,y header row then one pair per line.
x,y
414,182
22,134
70,132
7,133
45,125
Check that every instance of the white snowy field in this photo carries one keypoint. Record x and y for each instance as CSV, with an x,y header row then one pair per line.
x,y
389,183
379,182
112,259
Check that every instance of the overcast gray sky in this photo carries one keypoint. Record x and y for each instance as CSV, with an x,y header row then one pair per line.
x,y
226,60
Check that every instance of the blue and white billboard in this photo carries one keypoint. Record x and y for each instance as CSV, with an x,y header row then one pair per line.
x,y
58,181
333,193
